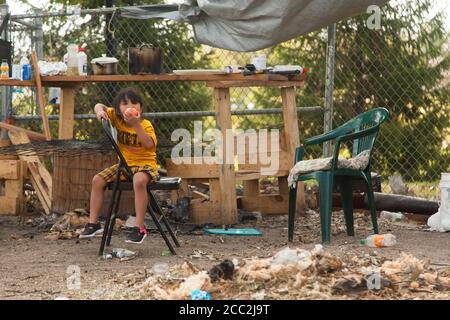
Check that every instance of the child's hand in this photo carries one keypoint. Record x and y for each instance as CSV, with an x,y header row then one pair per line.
x,y
132,117
102,115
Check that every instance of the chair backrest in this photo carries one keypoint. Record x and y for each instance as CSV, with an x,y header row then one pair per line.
x,y
108,129
372,118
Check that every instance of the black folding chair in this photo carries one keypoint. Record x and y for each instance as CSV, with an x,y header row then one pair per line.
x,y
153,207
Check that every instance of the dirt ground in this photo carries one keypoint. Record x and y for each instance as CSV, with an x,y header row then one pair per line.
x,y
33,267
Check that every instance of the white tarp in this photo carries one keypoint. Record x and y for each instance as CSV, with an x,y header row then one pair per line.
x,y
249,25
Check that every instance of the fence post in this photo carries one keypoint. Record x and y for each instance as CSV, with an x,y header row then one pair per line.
x,y
329,83
39,35
5,91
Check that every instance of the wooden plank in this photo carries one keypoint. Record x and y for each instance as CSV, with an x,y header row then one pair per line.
x,y
66,113
251,188
283,185
14,188
31,134
199,195
51,80
291,131
9,169
39,176
265,203
9,206
240,84
37,78
193,170
17,83
228,207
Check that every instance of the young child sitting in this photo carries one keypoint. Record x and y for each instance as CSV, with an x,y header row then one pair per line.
x,y
137,141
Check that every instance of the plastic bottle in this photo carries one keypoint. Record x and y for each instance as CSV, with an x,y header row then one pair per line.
x,y
393,216
4,69
82,62
379,240
72,59
26,68
198,294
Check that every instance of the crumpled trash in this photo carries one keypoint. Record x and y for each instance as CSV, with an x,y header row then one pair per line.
x,y
123,254
224,270
51,68
196,281
393,216
200,295
160,268
289,256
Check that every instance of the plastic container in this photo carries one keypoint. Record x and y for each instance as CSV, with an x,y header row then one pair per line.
x,y
440,221
72,60
4,69
82,62
26,68
393,216
198,294
379,240
16,72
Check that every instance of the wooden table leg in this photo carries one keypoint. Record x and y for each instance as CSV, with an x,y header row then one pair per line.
x,y
291,132
66,112
228,204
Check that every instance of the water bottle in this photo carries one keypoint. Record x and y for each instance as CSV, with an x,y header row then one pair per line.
x,y
379,240
4,68
72,60
26,68
82,62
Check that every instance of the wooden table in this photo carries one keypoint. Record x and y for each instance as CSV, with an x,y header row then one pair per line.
x,y
221,85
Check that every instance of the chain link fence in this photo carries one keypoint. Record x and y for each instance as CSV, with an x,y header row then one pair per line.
x,y
402,65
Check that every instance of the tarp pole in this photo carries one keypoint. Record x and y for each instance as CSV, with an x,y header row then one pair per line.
x,y
329,84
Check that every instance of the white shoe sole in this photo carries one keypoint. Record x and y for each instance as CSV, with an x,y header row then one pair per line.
x,y
99,231
140,242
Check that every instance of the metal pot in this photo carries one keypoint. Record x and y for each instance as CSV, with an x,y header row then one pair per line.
x,y
104,65
145,60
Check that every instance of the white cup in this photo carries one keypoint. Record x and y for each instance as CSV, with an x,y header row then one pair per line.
x,y
259,62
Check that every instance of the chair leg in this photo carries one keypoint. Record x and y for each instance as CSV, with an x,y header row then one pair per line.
x,y
347,205
113,219
371,202
108,221
325,199
291,212
160,229
158,209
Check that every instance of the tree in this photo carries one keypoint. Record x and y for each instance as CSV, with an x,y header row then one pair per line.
x,y
401,67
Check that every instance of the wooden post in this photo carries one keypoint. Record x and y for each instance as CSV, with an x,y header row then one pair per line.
x,y
37,77
291,132
228,204
66,112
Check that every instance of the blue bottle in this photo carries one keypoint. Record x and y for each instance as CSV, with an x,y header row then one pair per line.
x,y
26,68
26,72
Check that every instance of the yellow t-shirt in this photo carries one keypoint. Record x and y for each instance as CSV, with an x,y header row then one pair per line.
x,y
130,146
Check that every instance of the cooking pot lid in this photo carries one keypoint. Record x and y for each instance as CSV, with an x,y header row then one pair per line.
x,y
103,60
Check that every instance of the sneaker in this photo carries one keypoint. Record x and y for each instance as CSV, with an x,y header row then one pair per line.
x,y
91,230
137,235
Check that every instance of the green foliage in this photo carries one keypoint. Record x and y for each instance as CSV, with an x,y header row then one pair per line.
x,y
400,67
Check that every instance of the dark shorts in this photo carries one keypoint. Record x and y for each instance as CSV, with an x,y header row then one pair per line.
x,y
109,174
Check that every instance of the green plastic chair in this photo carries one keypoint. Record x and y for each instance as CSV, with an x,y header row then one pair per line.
x,y
363,130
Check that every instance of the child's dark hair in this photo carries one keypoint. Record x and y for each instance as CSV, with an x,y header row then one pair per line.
x,y
125,95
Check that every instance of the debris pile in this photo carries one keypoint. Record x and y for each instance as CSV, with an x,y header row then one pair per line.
x,y
290,274
71,224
